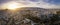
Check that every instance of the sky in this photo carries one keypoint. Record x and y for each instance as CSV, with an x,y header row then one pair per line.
x,y
34,3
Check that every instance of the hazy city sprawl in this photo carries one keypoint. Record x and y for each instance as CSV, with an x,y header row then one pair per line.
x,y
30,16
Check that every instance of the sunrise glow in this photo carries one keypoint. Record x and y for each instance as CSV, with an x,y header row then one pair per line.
x,y
12,6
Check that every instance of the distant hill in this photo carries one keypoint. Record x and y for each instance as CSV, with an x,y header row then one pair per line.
x,y
34,10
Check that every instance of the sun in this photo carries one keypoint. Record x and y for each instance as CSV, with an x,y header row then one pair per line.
x,y
12,6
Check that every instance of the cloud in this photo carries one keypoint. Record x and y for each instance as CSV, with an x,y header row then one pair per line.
x,y
34,0
38,3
